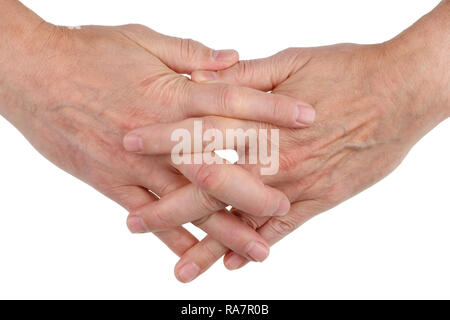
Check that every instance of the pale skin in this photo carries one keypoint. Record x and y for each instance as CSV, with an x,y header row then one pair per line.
x,y
373,103
74,93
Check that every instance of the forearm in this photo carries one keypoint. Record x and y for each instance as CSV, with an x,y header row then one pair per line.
x,y
422,54
18,26
442,29
16,17
20,37
432,33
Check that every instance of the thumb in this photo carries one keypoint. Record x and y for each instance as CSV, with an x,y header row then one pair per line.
x,y
187,55
261,74
181,55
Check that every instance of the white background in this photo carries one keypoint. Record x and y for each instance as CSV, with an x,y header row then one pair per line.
x,y
61,239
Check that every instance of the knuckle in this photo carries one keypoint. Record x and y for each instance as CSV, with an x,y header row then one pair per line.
x,y
227,98
288,52
154,219
210,255
166,188
160,221
288,161
295,160
181,91
282,226
243,71
189,95
188,49
138,30
134,27
199,223
208,203
209,177
276,108
292,56
250,221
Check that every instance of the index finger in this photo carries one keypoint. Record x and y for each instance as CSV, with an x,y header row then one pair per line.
x,y
226,100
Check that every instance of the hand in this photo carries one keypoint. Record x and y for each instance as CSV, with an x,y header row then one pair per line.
x,y
373,104
74,93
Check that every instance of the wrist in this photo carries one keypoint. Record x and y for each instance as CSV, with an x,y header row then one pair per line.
x,y
420,58
18,26
22,34
431,38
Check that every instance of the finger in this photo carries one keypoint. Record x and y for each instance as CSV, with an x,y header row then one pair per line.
x,y
223,226
194,140
198,259
262,74
235,234
211,100
130,197
209,250
179,240
162,138
203,255
235,186
226,183
181,55
245,103
276,229
187,55
224,231
156,174
177,208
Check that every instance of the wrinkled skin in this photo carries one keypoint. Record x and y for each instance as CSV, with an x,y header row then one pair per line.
x,y
74,93
82,93
373,104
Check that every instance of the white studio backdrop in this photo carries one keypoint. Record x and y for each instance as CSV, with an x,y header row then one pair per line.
x,y
61,239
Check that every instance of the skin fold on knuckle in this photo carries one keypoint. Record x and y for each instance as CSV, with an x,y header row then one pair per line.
x,y
243,71
277,110
210,178
207,202
207,256
199,223
250,221
183,93
228,97
154,219
282,226
188,49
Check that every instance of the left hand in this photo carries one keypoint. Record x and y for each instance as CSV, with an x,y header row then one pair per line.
x,y
73,93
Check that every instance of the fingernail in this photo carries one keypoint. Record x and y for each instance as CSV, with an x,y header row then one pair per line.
x,y
201,76
257,251
225,55
305,115
188,272
136,225
132,143
283,209
235,261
